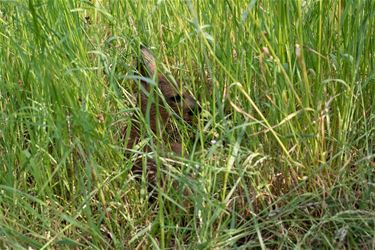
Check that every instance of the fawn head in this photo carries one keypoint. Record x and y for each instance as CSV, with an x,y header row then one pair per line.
x,y
179,100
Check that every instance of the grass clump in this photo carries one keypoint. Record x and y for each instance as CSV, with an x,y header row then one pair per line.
x,y
283,150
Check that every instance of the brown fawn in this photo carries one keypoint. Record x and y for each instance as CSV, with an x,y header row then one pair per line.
x,y
182,103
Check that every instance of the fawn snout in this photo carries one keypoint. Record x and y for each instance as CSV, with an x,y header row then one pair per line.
x,y
184,105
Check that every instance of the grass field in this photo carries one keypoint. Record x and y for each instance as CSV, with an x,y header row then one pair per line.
x,y
281,155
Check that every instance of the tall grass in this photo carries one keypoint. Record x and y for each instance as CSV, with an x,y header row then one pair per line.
x,y
282,154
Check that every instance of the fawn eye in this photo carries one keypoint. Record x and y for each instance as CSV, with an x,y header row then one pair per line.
x,y
176,98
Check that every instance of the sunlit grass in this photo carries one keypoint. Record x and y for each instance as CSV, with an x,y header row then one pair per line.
x,y
281,156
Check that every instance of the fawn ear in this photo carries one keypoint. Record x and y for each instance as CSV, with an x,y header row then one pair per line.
x,y
148,62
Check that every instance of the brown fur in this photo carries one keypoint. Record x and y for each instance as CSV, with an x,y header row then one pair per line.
x,y
182,104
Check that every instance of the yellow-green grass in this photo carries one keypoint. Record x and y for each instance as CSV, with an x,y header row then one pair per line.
x,y
281,156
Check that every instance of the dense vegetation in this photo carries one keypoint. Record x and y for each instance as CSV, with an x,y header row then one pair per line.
x,y
281,156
